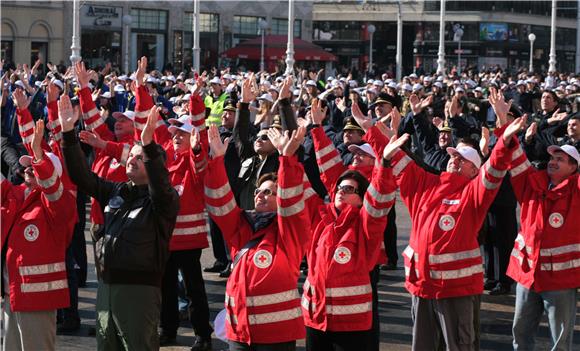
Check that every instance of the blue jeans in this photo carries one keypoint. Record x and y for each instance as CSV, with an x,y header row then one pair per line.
x,y
559,305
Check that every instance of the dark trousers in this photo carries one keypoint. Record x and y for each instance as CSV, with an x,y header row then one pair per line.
x,y
502,229
218,245
390,237
76,262
318,340
188,262
374,334
281,346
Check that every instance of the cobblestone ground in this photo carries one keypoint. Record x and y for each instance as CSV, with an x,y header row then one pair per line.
x,y
395,303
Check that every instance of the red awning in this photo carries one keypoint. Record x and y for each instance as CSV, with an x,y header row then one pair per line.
x,y
275,49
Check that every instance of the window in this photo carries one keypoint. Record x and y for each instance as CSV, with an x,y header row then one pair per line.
x,y
7,49
208,22
149,19
246,25
279,26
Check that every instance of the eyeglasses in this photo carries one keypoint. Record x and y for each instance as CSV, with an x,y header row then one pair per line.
x,y
266,192
263,137
347,189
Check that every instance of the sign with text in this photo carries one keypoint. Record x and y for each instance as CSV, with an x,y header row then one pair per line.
x,y
101,16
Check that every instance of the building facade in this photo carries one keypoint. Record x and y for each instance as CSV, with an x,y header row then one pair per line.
x,y
32,30
122,31
495,33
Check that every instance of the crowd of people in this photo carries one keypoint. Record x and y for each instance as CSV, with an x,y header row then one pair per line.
x,y
287,175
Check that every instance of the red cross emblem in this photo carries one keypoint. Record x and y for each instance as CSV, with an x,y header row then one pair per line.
x,y
446,222
342,255
31,232
262,259
556,220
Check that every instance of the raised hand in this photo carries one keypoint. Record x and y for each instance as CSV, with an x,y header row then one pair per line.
x,y
82,74
195,141
248,92
52,92
500,106
531,132
294,141
394,145
92,139
517,125
340,103
278,139
318,113
20,99
415,104
216,146
36,144
66,114
557,116
484,141
141,70
149,129
387,131
365,122
199,84
437,122
286,86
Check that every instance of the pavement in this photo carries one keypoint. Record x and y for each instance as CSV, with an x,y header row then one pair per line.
x,y
394,304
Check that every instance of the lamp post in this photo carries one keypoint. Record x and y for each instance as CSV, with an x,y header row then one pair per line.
x,y
195,47
127,20
290,45
399,55
371,29
441,53
76,45
263,25
531,38
552,61
457,37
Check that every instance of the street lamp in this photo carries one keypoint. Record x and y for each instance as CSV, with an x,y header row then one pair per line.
x,y
552,61
399,55
371,30
290,46
441,53
127,20
263,25
457,37
195,49
531,38
76,45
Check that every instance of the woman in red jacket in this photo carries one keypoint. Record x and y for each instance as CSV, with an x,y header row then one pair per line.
x,y
267,245
337,299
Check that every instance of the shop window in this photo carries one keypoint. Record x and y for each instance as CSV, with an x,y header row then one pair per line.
x,y
337,30
98,47
279,26
38,50
246,25
208,22
149,19
7,51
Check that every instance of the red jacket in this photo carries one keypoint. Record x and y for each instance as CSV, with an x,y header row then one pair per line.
x,y
546,254
262,301
37,241
331,167
443,257
110,162
345,246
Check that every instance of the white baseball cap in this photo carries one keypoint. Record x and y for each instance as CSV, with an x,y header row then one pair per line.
x,y
366,148
26,161
266,97
182,123
106,95
58,83
119,88
128,114
215,80
468,153
311,82
567,149
417,87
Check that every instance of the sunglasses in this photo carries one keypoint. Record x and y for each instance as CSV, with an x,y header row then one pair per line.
x,y
347,189
263,137
266,192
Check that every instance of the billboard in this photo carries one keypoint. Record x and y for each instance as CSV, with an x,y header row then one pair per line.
x,y
493,31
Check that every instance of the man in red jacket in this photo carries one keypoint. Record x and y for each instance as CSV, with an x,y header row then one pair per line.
x,y
545,261
443,264
41,216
